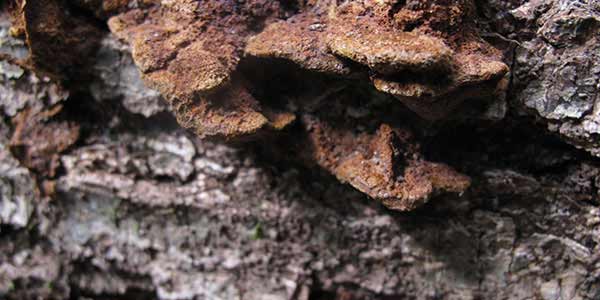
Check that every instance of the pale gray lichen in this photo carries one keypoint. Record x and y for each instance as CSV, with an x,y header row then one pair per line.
x,y
18,191
119,78
560,68
20,88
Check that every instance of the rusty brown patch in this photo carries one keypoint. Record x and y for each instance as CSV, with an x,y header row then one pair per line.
x,y
189,51
298,39
429,58
386,164
38,139
59,41
426,53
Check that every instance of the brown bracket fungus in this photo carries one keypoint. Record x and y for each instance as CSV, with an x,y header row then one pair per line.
x,y
59,42
426,53
188,51
386,165
191,52
430,60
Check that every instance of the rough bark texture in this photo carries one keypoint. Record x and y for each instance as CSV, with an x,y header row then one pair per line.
x,y
103,194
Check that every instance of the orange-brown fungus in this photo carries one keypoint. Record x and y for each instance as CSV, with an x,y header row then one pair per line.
x,y
386,165
189,50
425,53
220,65
59,43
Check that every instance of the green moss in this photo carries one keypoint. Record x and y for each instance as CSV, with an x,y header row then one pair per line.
x,y
257,232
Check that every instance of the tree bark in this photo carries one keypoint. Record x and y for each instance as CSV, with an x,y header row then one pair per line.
x,y
104,196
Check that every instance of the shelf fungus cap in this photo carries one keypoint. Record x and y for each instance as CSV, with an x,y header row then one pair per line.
x,y
299,40
190,57
231,113
432,68
388,52
191,71
385,165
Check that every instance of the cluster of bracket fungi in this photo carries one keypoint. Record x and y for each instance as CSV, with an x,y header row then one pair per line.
x,y
208,58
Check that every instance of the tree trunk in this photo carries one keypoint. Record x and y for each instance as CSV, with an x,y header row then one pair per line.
x,y
104,196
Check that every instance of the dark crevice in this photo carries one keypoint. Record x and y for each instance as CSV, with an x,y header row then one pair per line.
x,y
129,294
135,291
77,11
396,7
